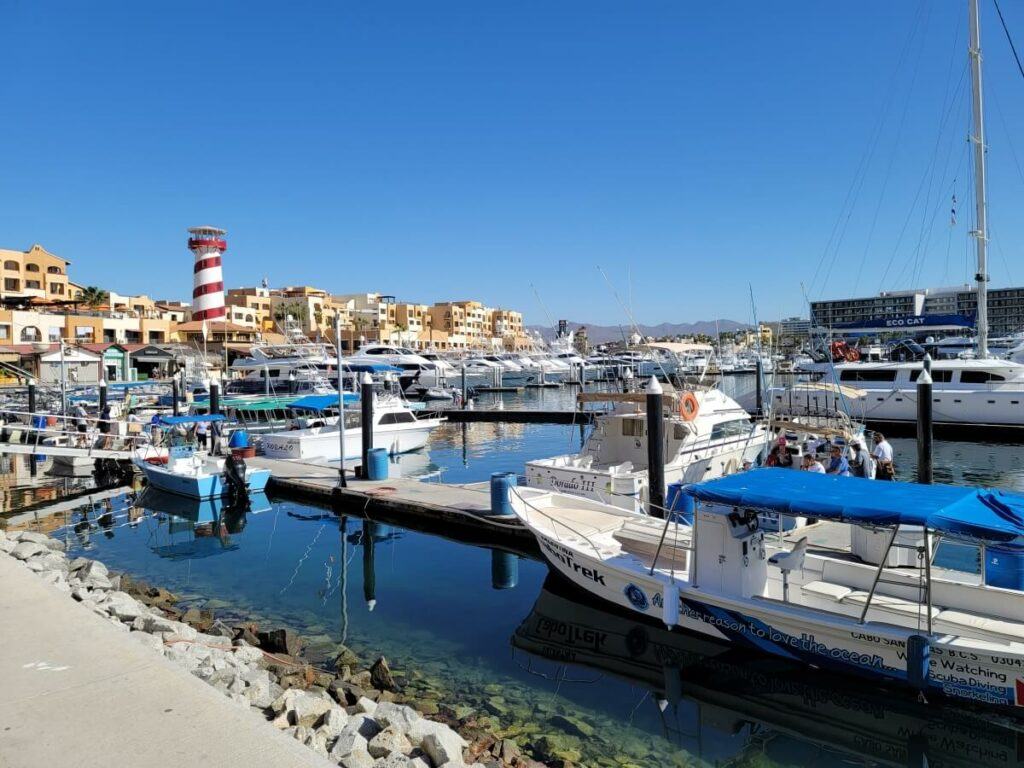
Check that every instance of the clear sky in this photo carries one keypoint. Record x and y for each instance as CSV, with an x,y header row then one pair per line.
x,y
438,150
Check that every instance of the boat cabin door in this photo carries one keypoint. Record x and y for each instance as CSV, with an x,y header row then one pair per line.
x,y
730,558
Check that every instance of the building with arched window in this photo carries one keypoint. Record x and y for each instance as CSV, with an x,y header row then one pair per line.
x,y
33,274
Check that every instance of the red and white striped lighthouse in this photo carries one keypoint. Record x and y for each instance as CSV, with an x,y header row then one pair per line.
x,y
207,243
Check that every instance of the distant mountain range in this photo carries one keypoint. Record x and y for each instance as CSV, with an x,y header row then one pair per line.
x,y
602,334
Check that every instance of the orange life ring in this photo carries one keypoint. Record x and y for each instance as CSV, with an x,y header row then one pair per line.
x,y
689,406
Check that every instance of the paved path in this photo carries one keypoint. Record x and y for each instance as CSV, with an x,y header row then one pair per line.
x,y
103,699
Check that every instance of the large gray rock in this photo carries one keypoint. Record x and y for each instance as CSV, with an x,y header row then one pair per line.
x,y
357,758
248,655
398,715
88,568
391,739
307,709
26,549
366,706
259,693
123,607
317,742
364,725
55,544
396,760
334,722
348,742
441,743
33,536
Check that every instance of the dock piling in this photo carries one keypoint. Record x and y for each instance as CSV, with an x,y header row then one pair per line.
x,y
655,449
924,425
758,374
214,396
366,408
464,389
31,399
175,396
103,394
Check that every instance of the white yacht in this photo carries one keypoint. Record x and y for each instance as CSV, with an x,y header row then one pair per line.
x,y
986,392
707,435
296,366
417,368
395,428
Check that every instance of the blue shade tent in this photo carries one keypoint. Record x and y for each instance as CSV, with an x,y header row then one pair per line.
x,y
173,420
976,513
321,402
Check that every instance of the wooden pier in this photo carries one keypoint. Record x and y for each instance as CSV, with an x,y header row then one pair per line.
x,y
459,511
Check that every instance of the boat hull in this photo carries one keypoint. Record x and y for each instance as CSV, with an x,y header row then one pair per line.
x,y
204,486
873,650
323,443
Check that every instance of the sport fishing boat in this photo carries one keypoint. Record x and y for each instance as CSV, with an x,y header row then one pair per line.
x,y
395,428
872,604
706,435
188,472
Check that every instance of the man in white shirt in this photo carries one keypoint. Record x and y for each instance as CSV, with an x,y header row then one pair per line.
x,y
811,464
884,469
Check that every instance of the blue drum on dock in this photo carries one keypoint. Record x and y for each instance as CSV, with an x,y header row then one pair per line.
x,y
501,482
377,458
239,439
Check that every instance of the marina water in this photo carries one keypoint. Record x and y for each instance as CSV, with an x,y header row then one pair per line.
x,y
489,634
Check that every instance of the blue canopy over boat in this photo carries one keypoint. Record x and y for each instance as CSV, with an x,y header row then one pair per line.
x,y
171,420
977,513
321,402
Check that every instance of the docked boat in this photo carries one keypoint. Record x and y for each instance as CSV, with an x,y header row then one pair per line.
x,y
706,435
872,603
189,472
396,428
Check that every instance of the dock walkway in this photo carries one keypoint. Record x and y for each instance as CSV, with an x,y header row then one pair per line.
x,y
78,692
465,507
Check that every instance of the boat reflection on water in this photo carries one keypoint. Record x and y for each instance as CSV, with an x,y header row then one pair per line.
x,y
196,528
719,703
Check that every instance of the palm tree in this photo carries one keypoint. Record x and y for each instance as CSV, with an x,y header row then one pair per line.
x,y
93,296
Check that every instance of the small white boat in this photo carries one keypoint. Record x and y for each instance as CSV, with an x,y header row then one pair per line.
x,y
395,428
851,605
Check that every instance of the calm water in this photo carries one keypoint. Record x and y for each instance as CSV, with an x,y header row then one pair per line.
x,y
544,662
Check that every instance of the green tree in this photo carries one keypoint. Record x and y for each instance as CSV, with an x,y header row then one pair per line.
x,y
94,296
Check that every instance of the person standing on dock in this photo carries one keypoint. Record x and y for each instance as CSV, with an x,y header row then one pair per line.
x,y
105,420
885,469
201,433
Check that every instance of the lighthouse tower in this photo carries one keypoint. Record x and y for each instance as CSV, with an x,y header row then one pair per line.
x,y
207,243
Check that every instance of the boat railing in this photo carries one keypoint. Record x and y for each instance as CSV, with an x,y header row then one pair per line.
x,y
95,438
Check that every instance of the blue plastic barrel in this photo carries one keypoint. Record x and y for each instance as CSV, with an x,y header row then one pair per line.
x,y
39,422
1004,566
919,654
239,439
680,504
500,484
504,570
377,459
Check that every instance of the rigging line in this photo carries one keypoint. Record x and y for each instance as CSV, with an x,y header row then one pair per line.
x,y
895,151
1008,38
872,144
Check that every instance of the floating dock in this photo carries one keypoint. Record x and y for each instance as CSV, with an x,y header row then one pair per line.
x,y
460,511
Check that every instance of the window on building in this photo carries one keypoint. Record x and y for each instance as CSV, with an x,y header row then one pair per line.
x,y
10,284
54,271
56,333
33,285
132,337
31,267
109,336
57,288
84,333
156,337
30,333
12,265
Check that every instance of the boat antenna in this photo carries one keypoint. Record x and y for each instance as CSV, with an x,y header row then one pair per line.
x,y
543,306
632,321
980,232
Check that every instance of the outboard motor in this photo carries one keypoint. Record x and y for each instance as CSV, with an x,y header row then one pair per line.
x,y
234,477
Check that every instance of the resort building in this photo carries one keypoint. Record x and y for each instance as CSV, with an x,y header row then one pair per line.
x,y
34,274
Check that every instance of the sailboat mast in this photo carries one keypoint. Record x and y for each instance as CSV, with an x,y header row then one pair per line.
x,y
978,140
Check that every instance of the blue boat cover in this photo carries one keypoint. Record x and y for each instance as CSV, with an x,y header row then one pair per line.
x,y
171,420
983,514
321,402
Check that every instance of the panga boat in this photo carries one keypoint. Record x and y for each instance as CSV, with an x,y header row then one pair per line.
x,y
200,476
853,603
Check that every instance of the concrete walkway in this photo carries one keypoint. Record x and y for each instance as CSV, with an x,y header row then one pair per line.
x,y
77,692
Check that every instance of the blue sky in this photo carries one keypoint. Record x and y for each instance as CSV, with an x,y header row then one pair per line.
x,y
467,149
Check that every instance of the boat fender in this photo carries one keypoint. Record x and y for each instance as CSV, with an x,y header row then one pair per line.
x,y
670,612
689,406
919,653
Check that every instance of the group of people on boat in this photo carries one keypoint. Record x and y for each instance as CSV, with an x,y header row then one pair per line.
x,y
844,459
